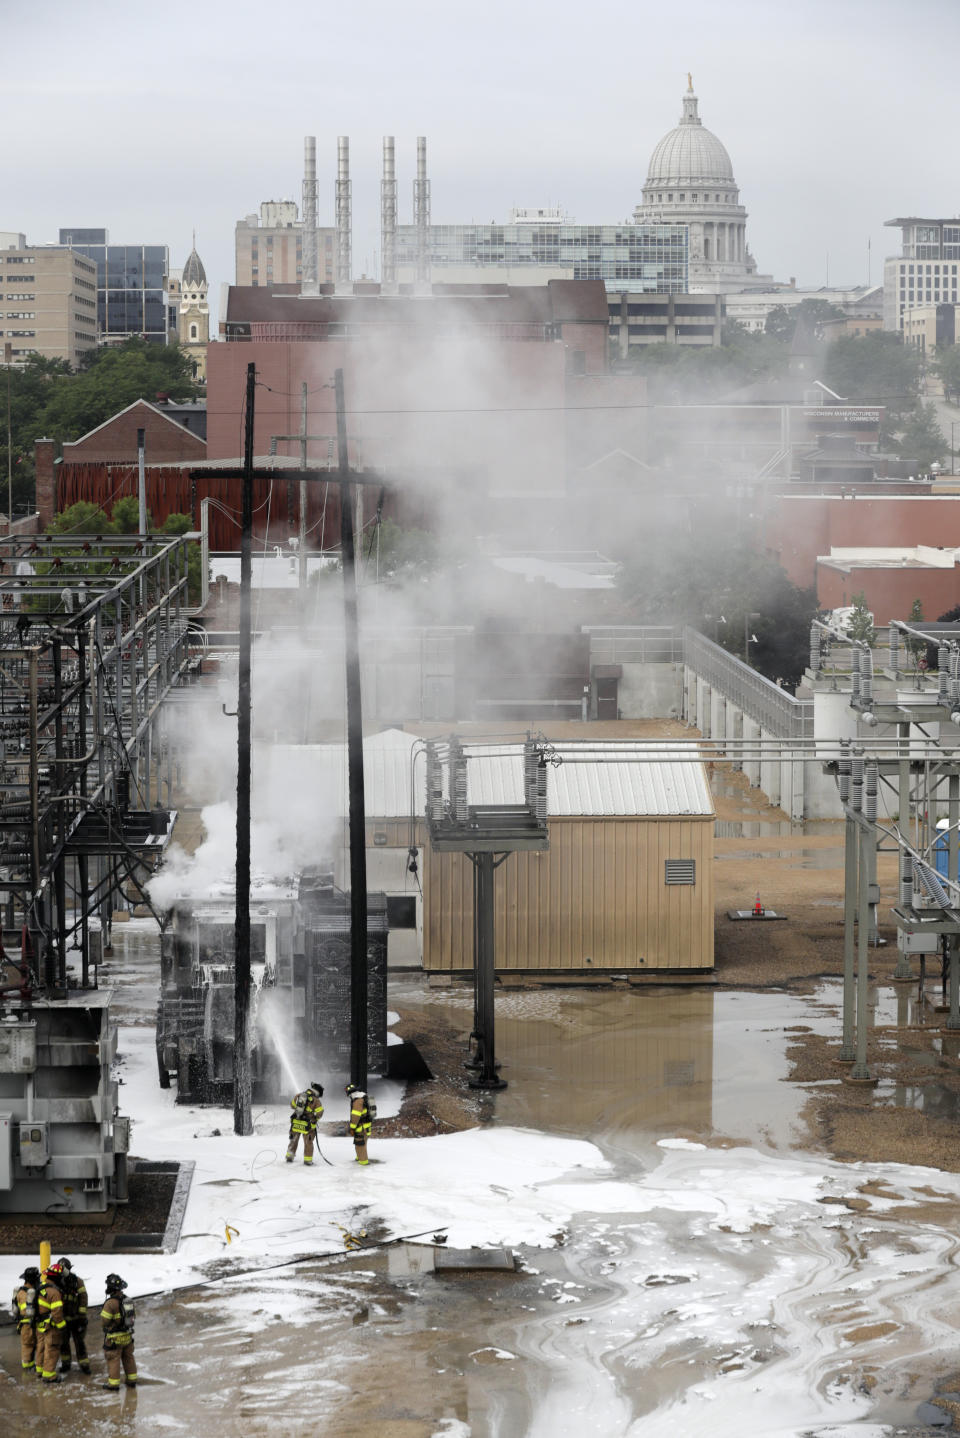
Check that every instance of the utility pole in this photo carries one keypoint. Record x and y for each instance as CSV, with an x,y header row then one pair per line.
x,y
242,1086
141,484
302,550
357,824
8,361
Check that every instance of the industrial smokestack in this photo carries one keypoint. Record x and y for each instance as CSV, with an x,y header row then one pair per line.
x,y
344,208
309,275
388,218
421,213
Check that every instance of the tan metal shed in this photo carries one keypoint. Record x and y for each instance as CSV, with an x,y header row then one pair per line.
x,y
626,885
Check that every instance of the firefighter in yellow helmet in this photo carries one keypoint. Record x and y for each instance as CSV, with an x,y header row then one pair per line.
x,y
25,1316
307,1113
360,1121
51,1324
117,1316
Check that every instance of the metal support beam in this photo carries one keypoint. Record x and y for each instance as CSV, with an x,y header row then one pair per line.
x,y
848,1051
484,1024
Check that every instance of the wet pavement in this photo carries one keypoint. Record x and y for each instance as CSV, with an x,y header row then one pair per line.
x,y
624,1318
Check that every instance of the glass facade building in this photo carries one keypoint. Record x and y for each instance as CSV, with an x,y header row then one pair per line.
x,y
131,285
649,258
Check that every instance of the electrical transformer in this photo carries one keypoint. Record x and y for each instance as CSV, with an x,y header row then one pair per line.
x,y
300,989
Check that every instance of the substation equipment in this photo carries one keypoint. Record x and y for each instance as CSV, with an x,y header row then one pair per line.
x,y
487,834
300,972
93,634
893,783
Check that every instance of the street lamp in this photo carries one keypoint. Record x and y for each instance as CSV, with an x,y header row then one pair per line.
x,y
748,638
716,620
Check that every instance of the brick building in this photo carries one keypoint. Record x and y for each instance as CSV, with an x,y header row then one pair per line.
x,y
496,388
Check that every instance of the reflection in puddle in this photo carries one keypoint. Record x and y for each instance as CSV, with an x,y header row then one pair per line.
x,y
800,858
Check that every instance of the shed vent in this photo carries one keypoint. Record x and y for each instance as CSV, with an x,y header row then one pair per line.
x,y
679,871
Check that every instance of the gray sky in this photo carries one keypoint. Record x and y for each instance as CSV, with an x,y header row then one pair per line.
x,y
155,120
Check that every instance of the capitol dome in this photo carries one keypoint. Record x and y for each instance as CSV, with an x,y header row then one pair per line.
x,y
689,154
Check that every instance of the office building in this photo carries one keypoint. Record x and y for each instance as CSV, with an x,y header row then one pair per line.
x,y
536,246
49,303
925,271
269,247
131,285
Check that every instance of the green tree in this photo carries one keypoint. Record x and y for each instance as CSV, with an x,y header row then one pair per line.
x,y
916,647
707,570
877,368
126,515
781,322
947,366
115,378
84,517
860,623
921,440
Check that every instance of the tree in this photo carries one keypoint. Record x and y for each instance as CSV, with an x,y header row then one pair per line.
x,y
876,367
921,441
126,515
860,623
706,569
781,322
84,517
115,378
947,366
916,648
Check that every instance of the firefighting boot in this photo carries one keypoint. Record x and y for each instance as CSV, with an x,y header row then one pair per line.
x,y
112,1385
84,1365
64,1365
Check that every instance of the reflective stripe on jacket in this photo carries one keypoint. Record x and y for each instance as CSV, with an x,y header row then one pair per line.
x,y
308,1110
50,1307
359,1117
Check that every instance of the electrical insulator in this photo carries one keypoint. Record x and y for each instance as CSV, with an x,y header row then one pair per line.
x,y
866,678
856,781
871,780
906,880
843,774
894,642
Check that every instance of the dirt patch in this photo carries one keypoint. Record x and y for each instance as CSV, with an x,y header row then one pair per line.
x,y
147,1212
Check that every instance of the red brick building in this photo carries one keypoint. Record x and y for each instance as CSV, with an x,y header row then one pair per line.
x,y
798,529
890,582
473,391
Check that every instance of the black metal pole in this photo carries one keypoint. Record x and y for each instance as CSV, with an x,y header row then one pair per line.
x,y
358,822
487,1077
242,1087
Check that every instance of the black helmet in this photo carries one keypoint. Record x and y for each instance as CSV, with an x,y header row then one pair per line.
x,y
350,1088
114,1281
317,1087
32,1275
66,1265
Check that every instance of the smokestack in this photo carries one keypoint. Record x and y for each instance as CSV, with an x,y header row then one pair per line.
x,y
421,213
309,275
344,217
388,218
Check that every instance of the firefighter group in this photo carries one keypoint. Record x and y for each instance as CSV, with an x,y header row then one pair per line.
x,y
50,1311
50,1307
308,1111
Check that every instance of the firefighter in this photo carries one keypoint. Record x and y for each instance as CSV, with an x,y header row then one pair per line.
x,y
51,1324
307,1112
117,1317
25,1316
75,1312
360,1117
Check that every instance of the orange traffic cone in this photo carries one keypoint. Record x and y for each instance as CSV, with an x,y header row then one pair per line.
x,y
758,909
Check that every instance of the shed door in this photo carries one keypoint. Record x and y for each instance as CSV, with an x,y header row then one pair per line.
x,y
607,705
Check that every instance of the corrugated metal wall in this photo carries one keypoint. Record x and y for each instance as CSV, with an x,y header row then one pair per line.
x,y
598,893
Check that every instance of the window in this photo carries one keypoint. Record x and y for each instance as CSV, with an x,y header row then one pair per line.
x,y
193,332
679,871
401,911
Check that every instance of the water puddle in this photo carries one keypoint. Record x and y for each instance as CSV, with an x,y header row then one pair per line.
x,y
799,858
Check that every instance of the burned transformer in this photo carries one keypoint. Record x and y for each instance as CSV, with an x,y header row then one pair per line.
x,y
300,981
